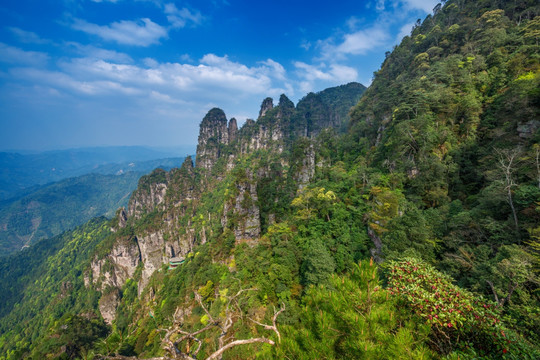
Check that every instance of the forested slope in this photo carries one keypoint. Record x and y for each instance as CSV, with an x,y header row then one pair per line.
x,y
414,234
454,114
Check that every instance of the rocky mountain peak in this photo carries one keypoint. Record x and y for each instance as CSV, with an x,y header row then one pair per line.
x,y
267,104
187,165
233,130
286,107
213,132
285,102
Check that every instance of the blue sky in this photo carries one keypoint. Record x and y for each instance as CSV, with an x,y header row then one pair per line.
x,y
76,73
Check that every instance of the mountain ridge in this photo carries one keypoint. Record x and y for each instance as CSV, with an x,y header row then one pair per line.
x,y
276,223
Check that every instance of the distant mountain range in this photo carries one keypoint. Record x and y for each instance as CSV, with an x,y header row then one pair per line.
x,y
45,194
19,172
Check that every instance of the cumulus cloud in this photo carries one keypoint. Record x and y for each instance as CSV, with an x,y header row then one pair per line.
x,y
356,43
314,75
179,18
334,72
143,32
13,55
276,69
213,78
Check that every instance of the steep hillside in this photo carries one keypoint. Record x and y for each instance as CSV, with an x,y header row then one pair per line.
x,y
452,121
410,231
44,294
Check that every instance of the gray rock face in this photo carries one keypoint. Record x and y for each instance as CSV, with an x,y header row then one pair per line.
x,y
267,105
307,171
233,130
149,194
122,218
376,251
118,266
212,135
156,251
241,213
108,304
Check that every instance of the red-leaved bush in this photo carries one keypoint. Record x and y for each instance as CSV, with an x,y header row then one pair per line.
x,y
459,320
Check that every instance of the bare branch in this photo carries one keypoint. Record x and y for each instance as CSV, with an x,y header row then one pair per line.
x,y
224,324
507,164
493,291
199,300
272,327
511,288
218,353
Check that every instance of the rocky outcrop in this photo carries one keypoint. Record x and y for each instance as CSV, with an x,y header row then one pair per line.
x,y
156,251
149,194
267,105
122,218
118,266
233,130
307,170
108,303
213,134
241,213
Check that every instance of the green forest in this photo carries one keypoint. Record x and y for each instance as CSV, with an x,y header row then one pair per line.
x,y
415,236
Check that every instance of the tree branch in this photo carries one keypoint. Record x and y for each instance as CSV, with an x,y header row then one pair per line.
x,y
223,323
493,291
511,288
218,353
272,327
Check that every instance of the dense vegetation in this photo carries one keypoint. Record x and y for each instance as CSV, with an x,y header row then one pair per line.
x,y
44,296
436,179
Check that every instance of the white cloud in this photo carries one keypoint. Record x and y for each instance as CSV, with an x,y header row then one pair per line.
x,y
64,81
179,18
94,52
27,36
358,38
342,73
13,55
214,78
352,23
362,41
424,5
311,72
313,76
276,69
404,31
306,45
143,32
